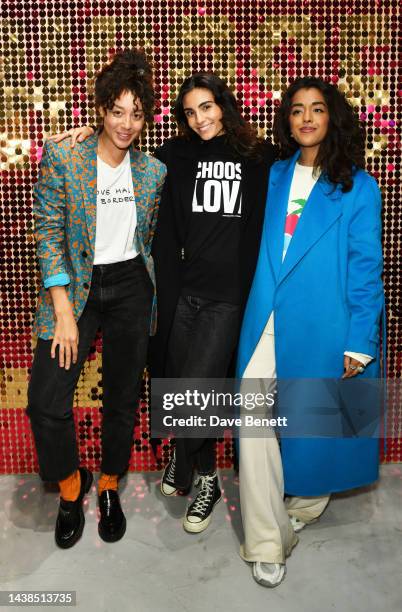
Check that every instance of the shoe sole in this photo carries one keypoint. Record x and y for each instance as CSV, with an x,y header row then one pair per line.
x,y
202,525
115,537
266,584
78,533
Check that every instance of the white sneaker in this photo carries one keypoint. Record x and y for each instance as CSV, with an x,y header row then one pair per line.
x,y
268,574
297,524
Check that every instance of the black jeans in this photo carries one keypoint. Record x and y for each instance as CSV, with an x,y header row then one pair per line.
x,y
201,345
119,302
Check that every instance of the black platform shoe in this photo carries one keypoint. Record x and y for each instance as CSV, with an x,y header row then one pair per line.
x,y
70,519
112,524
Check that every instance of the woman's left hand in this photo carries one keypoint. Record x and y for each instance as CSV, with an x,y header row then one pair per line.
x,y
351,367
77,134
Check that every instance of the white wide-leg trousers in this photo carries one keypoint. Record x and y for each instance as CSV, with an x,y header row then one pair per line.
x,y
268,533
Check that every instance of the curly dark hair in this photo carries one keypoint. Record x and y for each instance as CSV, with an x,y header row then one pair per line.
x,y
128,71
240,135
343,149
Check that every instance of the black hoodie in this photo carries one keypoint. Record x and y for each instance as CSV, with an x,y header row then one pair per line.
x,y
209,227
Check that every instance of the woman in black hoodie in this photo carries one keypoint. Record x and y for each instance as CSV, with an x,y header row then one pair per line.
x,y
205,251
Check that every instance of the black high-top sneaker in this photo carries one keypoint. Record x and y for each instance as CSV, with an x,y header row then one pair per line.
x,y
199,513
168,486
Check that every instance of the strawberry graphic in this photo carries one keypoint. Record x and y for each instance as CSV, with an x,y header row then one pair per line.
x,y
293,217
290,224
301,203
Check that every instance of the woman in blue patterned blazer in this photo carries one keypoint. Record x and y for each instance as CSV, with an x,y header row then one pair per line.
x,y
95,211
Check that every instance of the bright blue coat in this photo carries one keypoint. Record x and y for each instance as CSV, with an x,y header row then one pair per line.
x,y
327,298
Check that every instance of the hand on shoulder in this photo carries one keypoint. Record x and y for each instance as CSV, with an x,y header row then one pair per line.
x,y
73,135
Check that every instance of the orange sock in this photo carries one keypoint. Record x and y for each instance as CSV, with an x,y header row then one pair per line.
x,y
107,481
70,487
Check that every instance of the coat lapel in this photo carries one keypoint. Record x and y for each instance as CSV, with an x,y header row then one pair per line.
x,y
278,196
323,208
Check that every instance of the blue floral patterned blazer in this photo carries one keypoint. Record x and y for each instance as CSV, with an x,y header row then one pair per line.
x,y
65,221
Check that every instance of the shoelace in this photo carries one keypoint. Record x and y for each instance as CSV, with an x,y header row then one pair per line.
x,y
172,468
205,495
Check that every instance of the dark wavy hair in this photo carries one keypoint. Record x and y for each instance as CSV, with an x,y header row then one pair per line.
x,y
128,71
343,149
240,135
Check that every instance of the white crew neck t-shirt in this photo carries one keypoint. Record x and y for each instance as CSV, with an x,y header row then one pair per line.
x,y
303,181
116,215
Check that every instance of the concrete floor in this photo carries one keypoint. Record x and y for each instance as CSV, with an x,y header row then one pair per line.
x,y
351,560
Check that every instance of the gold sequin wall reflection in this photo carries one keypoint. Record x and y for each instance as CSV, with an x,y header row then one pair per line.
x,y
50,52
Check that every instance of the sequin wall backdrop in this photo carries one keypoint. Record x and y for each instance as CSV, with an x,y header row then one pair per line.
x,y
50,52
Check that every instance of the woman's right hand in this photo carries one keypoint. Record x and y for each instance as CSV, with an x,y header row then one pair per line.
x,y
66,329
66,338
76,134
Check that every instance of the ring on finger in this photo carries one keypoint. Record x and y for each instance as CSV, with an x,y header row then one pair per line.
x,y
352,367
360,369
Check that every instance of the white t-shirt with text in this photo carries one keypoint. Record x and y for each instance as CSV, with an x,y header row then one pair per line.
x,y
116,216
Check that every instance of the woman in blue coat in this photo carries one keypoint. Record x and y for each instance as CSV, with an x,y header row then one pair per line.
x,y
313,313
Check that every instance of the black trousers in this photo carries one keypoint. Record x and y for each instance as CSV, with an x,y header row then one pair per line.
x,y
201,345
119,301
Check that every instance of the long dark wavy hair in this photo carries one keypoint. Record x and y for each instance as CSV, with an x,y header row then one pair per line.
x,y
129,70
240,135
343,148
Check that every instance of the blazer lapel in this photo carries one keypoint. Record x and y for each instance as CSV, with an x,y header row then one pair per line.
x,y
278,196
138,172
322,209
87,174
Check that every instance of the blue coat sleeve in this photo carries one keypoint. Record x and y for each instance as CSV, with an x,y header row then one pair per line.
x,y
364,288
